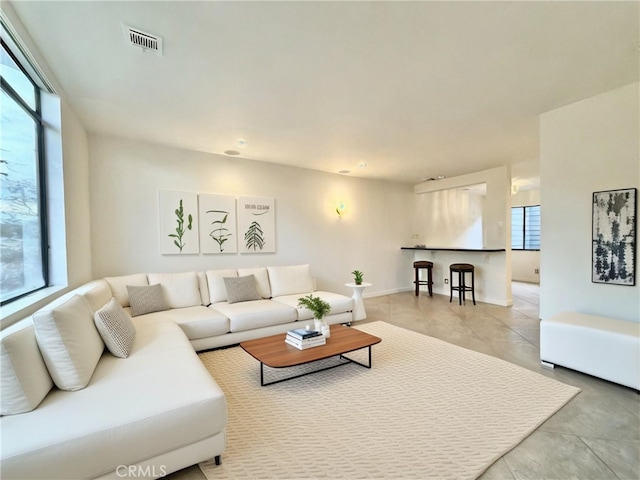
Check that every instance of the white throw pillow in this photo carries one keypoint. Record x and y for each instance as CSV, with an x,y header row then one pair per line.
x,y
180,290
217,288
69,341
115,328
25,378
290,280
262,279
119,286
241,289
147,299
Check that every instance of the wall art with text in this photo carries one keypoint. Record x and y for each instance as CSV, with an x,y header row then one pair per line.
x,y
257,224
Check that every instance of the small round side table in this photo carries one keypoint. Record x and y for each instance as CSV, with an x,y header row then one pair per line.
x,y
358,304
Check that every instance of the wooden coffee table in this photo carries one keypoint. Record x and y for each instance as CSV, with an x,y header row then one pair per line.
x,y
274,352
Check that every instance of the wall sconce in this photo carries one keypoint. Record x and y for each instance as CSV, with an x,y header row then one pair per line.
x,y
339,209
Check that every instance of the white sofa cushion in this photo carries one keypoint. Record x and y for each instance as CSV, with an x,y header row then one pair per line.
x,y
25,378
69,341
97,292
147,299
115,328
180,289
241,289
196,322
215,281
339,303
119,286
204,289
290,280
262,279
258,313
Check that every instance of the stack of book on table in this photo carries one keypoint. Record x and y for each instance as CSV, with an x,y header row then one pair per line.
x,y
302,338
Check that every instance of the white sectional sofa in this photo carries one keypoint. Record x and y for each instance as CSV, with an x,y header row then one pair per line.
x,y
73,409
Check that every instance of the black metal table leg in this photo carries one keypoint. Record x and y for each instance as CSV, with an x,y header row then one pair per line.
x,y
341,357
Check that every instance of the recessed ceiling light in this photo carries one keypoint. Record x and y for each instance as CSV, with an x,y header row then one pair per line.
x,y
231,152
344,172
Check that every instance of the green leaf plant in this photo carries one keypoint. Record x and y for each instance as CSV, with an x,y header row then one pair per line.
x,y
220,234
357,276
180,231
318,307
254,238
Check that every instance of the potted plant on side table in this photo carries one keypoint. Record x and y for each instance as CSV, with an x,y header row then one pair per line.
x,y
319,308
357,277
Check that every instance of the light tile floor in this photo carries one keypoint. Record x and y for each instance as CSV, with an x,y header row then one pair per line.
x,y
596,436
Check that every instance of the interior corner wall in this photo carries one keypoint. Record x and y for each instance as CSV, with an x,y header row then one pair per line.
x,y
77,215
126,176
589,146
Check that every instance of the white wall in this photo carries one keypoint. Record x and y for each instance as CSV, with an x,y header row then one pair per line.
x,y
451,218
496,208
525,263
75,149
589,146
126,176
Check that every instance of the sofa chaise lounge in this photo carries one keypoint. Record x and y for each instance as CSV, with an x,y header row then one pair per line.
x,y
73,409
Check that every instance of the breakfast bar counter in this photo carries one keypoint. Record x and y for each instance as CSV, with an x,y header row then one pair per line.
x,y
492,270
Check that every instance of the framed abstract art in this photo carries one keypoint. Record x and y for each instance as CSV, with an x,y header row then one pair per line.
x,y
614,237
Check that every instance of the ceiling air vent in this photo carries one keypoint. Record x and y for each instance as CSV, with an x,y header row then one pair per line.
x,y
146,41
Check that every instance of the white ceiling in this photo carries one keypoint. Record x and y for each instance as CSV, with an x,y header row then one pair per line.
x,y
412,89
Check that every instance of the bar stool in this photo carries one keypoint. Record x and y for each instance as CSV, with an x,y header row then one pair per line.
x,y
429,282
461,269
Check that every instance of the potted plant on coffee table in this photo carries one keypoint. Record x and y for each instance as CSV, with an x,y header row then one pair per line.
x,y
319,308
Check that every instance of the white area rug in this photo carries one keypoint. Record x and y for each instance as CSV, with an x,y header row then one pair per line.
x,y
427,409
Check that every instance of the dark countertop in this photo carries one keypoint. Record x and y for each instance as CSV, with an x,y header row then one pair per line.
x,y
444,249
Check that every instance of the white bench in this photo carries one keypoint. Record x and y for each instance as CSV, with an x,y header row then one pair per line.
x,y
603,347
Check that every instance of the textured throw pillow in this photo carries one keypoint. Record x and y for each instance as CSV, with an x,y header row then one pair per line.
x,y
146,299
115,328
215,281
119,285
241,289
262,279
